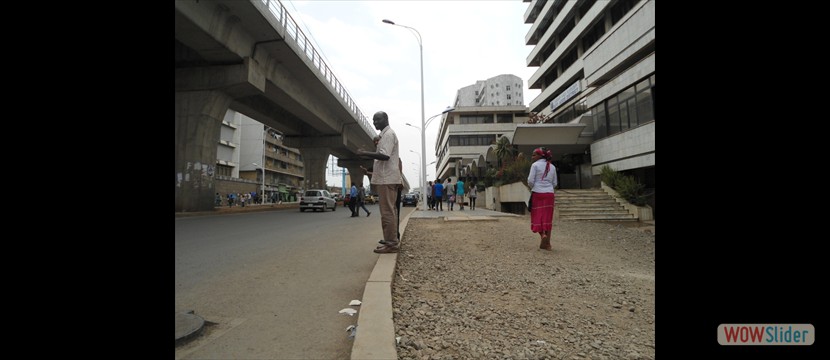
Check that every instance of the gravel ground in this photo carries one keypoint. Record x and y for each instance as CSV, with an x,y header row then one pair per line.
x,y
484,289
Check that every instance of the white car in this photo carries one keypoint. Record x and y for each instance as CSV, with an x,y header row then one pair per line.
x,y
317,199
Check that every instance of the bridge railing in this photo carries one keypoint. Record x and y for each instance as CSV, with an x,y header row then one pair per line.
x,y
295,33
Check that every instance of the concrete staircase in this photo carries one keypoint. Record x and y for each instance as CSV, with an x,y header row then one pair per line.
x,y
589,204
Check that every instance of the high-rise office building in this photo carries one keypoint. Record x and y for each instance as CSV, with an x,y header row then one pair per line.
x,y
596,73
482,113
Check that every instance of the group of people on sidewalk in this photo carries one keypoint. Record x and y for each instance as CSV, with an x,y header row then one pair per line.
x,y
387,180
452,193
238,199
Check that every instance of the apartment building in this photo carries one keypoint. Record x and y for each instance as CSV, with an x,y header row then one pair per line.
x,y
481,114
245,148
596,73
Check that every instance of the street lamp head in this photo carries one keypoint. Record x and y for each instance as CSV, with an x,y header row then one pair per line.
x,y
448,110
389,21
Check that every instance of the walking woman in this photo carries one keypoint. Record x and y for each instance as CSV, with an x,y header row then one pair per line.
x,y
541,181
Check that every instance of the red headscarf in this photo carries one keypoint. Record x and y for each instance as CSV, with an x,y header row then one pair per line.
x,y
545,154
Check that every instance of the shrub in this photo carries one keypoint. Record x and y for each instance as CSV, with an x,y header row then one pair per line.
x,y
489,178
516,171
609,176
631,190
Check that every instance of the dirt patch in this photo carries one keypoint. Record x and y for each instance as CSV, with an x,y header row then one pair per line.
x,y
484,289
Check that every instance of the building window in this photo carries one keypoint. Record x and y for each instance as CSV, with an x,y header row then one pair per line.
x,y
569,59
583,9
645,103
572,112
507,87
594,34
508,97
471,140
621,8
613,116
504,118
630,108
600,121
475,119
224,170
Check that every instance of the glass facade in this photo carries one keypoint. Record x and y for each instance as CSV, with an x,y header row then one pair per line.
x,y
629,108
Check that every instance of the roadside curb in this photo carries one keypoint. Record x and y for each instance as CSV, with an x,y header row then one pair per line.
x,y
375,336
223,210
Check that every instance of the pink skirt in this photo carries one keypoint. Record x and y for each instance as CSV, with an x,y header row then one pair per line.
x,y
541,215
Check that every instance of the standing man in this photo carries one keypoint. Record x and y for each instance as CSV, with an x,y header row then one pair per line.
x,y
386,178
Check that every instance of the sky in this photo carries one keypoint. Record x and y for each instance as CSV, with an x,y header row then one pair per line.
x,y
380,64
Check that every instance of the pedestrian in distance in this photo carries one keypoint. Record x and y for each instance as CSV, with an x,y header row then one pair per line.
x,y
387,180
353,201
438,195
542,180
429,195
361,200
459,193
473,196
449,190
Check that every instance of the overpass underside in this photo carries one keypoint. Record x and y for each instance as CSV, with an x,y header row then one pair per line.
x,y
229,55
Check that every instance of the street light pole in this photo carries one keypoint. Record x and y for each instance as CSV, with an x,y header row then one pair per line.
x,y
423,118
423,145
420,179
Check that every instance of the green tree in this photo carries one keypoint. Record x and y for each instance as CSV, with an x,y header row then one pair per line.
x,y
504,150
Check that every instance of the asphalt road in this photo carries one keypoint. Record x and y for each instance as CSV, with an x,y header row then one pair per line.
x,y
270,284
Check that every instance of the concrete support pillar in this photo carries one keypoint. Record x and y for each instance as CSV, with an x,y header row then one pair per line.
x,y
356,175
199,117
314,161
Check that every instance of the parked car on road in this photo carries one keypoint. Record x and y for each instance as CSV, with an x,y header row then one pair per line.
x,y
317,199
369,199
409,199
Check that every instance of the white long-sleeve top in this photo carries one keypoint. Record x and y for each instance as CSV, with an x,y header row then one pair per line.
x,y
535,180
